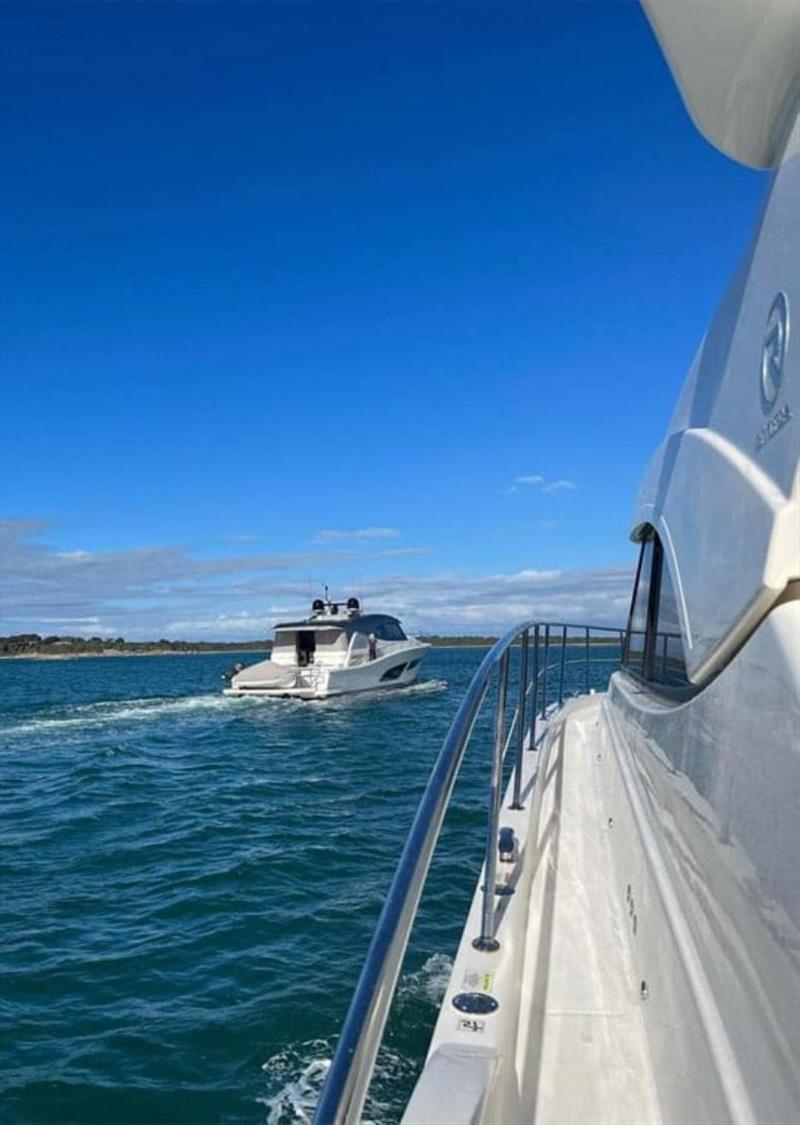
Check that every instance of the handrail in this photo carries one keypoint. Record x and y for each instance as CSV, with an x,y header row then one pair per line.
x,y
344,1092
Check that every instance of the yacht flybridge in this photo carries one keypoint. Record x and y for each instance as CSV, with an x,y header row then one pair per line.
x,y
336,650
632,952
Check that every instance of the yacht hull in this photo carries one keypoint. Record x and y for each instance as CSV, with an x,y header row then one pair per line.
x,y
397,669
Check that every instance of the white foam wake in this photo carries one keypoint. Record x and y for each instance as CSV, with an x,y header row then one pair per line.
x,y
429,982
424,687
108,712
303,1071
302,1068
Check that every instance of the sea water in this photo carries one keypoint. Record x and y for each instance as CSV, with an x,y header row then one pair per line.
x,y
190,883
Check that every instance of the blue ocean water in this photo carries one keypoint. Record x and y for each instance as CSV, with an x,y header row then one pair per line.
x,y
190,883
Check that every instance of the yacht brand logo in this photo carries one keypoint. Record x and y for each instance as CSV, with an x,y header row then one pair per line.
x,y
776,337
776,423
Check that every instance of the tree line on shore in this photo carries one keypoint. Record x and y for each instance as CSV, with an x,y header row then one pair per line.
x,y
32,644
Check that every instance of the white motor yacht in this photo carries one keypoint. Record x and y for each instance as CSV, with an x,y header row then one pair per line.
x,y
632,951
335,651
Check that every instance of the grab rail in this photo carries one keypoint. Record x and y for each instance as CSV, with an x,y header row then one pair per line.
x,y
344,1092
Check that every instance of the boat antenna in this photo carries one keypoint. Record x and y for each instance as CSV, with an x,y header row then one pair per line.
x,y
325,588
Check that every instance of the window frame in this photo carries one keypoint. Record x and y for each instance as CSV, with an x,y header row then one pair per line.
x,y
646,673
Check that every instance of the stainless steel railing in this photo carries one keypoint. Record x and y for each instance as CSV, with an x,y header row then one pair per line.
x,y
347,1082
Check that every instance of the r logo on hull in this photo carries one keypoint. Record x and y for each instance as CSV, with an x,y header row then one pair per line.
x,y
776,338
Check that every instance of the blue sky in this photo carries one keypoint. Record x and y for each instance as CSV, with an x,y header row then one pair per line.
x,y
299,292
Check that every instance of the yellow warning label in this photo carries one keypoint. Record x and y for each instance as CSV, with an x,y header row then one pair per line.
x,y
476,981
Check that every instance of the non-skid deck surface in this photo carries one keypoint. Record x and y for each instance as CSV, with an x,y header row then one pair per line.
x,y
581,1052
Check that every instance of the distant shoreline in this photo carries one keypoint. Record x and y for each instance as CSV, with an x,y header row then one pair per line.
x,y
181,648
232,651
182,652
473,644
117,653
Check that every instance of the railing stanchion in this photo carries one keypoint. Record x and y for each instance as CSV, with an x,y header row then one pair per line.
x,y
523,691
587,660
561,671
487,941
544,670
535,700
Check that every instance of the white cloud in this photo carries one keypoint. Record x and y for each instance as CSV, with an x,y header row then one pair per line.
x,y
536,480
235,626
152,592
333,535
401,552
41,584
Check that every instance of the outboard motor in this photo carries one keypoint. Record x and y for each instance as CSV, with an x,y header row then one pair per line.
x,y
231,672
353,606
318,605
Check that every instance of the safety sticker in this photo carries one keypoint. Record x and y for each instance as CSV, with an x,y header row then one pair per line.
x,y
476,981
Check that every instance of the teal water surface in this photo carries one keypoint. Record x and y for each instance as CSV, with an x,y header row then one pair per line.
x,y
190,883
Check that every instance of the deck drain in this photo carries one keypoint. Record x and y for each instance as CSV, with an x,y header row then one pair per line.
x,y
475,1003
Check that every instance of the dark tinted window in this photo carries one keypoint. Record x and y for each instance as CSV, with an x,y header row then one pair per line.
x,y
640,608
394,673
389,631
654,646
668,664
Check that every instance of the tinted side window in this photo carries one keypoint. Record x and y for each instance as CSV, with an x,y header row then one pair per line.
x,y
668,663
654,646
389,631
635,647
394,673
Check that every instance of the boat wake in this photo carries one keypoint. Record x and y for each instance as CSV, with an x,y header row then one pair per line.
x,y
126,711
429,982
301,1069
425,687
112,712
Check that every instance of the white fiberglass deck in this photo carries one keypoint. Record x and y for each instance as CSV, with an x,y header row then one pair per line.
x,y
567,1043
581,1046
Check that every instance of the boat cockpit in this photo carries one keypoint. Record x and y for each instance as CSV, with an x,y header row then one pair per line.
x,y
331,637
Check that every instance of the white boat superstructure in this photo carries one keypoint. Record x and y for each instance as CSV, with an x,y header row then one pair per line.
x,y
632,952
335,651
